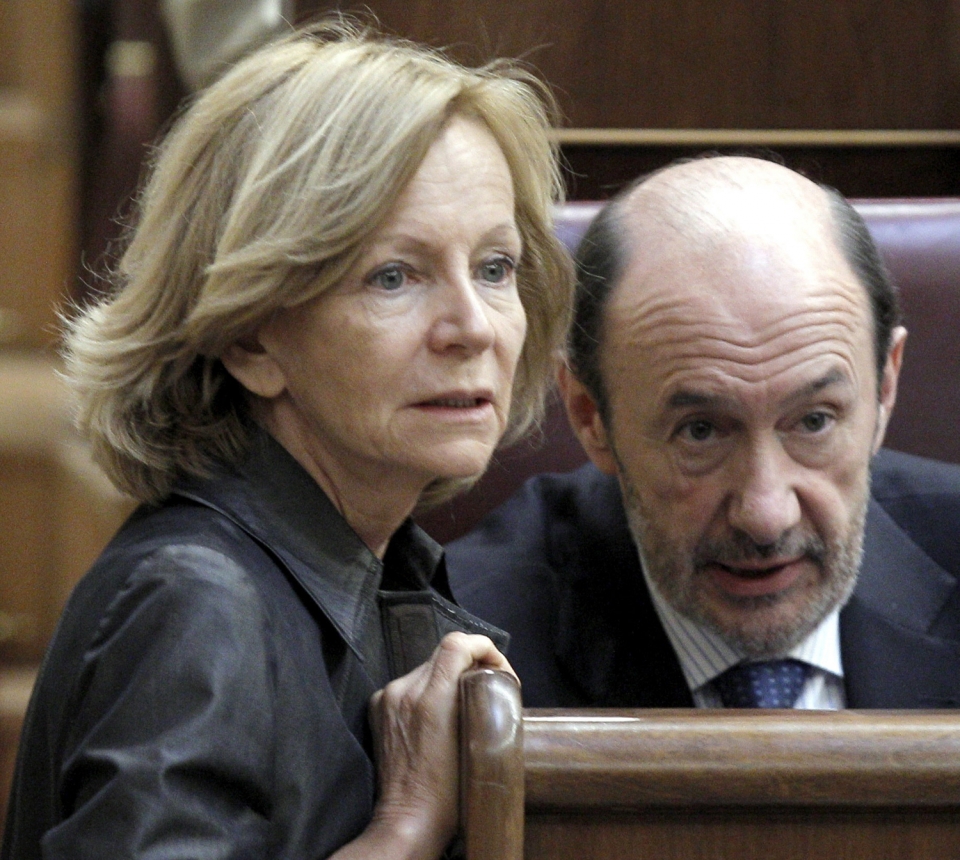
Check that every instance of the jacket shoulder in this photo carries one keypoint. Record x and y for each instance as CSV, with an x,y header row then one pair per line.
x,y
535,525
922,496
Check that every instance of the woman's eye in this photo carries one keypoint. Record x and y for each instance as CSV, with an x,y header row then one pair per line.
x,y
815,422
497,270
388,278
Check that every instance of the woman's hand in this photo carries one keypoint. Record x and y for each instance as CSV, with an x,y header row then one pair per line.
x,y
415,722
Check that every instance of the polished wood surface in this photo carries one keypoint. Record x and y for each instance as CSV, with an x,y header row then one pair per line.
x,y
709,138
746,835
722,785
710,758
491,767
792,64
627,74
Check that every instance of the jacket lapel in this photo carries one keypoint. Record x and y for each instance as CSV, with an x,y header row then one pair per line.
x,y
609,640
890,658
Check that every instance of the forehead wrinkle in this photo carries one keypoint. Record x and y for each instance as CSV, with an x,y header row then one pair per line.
x,y
407,240
726,376
677,350
693,397
837,367
664,323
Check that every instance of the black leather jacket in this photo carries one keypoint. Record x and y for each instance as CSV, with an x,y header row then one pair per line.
x,y
205,694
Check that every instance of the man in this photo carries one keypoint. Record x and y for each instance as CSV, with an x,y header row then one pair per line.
x,y
732,368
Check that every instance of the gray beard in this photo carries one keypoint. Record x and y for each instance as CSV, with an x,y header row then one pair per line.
x,y
674,573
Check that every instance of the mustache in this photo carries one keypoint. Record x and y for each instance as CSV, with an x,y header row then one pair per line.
x,y
737,548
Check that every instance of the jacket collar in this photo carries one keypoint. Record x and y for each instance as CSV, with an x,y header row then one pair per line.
x,y
273,499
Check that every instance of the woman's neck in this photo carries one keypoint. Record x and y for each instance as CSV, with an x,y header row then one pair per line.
x,y
373,502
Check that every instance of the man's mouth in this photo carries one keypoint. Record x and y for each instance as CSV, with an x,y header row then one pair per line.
x,y
753,572
754,580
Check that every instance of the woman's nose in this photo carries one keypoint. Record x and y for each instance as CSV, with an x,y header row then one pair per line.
x,y
463,319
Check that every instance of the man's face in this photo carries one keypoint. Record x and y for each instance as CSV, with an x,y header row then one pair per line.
x,y
742,388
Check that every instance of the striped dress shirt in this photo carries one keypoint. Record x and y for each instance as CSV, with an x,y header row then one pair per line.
x,y
704,655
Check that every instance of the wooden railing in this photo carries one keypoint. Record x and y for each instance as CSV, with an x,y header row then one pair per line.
x,y
664,784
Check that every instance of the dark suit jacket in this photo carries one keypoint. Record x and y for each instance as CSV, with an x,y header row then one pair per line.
x,y
555,567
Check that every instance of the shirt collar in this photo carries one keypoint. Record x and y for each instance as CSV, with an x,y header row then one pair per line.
x,y
704,655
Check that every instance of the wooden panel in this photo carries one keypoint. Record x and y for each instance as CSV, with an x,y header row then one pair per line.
x,y
752,835
491,766
27,553
636,759
6,47
36,245
597,172
686,784
747,785
703,64
700,64
37,193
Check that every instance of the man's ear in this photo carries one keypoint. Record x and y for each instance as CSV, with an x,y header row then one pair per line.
x,y
254,367
888,383
584,415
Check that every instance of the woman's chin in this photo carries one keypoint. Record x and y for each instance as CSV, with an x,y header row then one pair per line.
x,y
461,460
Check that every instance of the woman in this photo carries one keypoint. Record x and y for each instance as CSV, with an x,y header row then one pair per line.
x,y
343,291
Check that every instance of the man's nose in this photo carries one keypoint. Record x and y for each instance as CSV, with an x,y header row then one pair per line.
x,y
763,501
462,318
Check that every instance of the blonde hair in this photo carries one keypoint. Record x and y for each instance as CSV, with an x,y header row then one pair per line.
x,y
261,197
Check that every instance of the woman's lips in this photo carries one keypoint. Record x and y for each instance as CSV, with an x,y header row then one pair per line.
x,y
455,402
755,580
458,408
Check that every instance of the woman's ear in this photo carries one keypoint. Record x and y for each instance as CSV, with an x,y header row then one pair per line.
x,y
254,367
584,416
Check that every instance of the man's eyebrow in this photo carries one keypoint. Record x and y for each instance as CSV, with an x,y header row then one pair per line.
x,y
684,398
687,398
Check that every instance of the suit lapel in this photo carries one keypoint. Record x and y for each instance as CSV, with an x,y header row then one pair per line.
x,y
890,659
609,641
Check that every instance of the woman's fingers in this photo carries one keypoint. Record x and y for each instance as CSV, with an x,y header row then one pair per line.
x,y
415,724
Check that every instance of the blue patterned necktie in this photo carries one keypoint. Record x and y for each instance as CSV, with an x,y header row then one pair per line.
x,y
770,684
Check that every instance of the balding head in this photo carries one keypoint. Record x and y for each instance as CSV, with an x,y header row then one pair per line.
x,y
693,205
714,199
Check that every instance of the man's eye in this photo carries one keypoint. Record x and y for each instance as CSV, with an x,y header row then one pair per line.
x,y
388,278
814,422
497,270
697,431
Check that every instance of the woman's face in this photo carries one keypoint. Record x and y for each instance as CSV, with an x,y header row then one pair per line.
x,y
403,372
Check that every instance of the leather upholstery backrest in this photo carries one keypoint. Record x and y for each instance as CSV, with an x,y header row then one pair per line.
x,y
920,243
